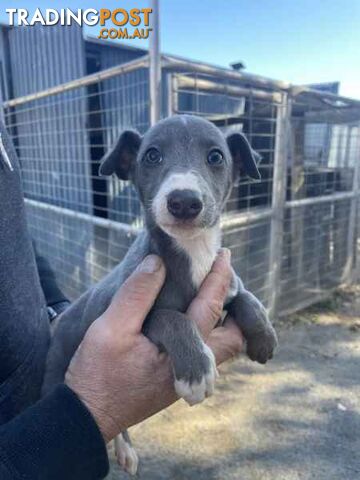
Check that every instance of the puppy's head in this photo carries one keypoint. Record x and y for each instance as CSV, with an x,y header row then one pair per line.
x,y
183,169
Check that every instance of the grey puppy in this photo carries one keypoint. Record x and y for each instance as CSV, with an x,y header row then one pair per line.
x,y
183,169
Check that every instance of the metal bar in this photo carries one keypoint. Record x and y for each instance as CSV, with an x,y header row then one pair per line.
x,y
356,274
350,273
335,197
278,201
81,82
245,218
304,90
208,85
174,95
297,192
169,87
155,66
170,61
98,221
347,147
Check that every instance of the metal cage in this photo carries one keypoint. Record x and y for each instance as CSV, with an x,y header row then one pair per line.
x,y
294,235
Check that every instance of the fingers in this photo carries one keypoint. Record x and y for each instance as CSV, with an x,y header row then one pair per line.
x,y
206,308
133,301
226,342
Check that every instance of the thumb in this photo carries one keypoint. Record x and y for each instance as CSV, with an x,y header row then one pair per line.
x,y
133,301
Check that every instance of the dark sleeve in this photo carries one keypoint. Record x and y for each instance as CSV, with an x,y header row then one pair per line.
x,y
55,439
53,294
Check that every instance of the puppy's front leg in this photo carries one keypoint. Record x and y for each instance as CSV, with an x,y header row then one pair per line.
x,y
126,455
192,360
252,318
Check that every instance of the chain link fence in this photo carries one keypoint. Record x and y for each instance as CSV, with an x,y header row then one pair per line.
x,y
294,235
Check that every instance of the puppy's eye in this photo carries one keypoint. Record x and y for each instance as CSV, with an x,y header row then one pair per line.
x,y
152,157
215,158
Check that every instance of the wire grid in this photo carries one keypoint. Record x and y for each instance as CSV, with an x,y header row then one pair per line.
x,y
319,250
250,252
60,141
315,252
321,159
84,224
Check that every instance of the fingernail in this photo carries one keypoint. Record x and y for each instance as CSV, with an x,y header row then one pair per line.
x,y
225,253
150,264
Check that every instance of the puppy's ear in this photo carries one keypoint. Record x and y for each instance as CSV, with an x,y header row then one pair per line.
x,y
245,159
121,158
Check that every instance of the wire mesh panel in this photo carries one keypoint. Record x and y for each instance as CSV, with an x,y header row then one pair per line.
x,y
52,143
318,243
72,212
124,103
249,246
315,252
51,139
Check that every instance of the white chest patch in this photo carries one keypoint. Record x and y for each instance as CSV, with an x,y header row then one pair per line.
x,y
202,251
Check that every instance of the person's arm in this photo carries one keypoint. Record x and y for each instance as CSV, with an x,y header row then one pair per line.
x,y
55,439
117,377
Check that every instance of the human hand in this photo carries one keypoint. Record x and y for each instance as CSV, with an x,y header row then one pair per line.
x,y
118,373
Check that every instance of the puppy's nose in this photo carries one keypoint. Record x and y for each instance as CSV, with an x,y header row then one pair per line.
x,y
184,204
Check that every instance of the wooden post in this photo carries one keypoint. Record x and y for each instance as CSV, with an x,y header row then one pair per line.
x,y
278,201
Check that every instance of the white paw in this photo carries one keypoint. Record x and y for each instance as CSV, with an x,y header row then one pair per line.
x,y
196,392
126,455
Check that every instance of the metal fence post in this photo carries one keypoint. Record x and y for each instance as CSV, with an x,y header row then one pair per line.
x,y
357,263
278,201
172,94
353,263
155,66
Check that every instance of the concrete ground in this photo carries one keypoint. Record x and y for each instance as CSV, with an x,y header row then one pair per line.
x,y
296,418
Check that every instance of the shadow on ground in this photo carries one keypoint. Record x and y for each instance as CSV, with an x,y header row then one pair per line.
x,y
296,418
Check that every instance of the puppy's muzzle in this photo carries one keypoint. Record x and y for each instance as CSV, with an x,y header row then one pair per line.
x,y
184,204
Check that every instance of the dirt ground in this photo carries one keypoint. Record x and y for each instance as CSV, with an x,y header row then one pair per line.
x,y
296,418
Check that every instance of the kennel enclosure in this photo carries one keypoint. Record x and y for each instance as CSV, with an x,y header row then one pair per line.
x,y
294,235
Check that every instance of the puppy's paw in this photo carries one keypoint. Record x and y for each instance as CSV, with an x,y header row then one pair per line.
x,y
126,455
261,345
198,382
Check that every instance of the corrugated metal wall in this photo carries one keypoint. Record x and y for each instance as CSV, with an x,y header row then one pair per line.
x,y
44,57
111,53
